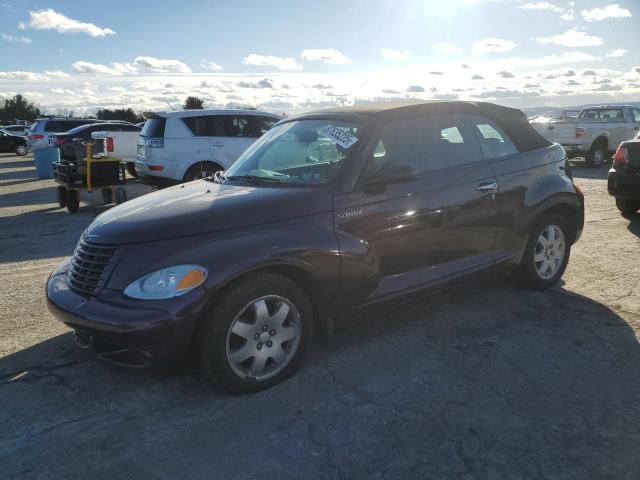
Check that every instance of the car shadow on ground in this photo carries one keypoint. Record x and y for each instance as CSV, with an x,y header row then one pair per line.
x,y
482,380
580,170
14,164
634,223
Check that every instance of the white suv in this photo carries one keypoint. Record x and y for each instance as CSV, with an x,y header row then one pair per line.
x,y
190,144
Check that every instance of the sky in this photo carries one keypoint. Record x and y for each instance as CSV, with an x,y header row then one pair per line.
x,y
292,56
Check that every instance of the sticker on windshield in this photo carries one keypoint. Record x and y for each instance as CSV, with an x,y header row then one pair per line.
x,y
338,135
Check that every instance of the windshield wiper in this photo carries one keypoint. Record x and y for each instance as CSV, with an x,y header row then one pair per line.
x,y
252,178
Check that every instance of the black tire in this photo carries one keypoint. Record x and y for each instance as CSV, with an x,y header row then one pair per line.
x,y
61,195
597,156
20,150
526,274
219,318
107,196
121,195
628,207
196,171
131,169
73,200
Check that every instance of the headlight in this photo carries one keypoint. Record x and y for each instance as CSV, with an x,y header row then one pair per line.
x,y
167,283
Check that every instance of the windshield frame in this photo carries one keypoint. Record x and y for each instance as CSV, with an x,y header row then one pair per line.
x,y
364,122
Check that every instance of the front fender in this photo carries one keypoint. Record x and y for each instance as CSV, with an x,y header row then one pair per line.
x,y
305,243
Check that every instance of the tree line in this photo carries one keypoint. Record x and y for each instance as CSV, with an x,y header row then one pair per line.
x,y
19,107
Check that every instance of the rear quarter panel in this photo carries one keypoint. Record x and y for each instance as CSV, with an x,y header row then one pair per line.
x,y
530,184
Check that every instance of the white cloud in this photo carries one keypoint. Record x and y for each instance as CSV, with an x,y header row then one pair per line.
x,y
139,65
572,38
542,6
21,75
49,19
281,63
160,65
446,48
325,55
492,45
610,11
56,74
11,38
208,65
94,68
395,55
617,53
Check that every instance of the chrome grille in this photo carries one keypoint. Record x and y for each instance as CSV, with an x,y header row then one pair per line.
x,y
88,267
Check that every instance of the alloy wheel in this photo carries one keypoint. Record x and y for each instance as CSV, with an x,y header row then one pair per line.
x,y
598,156
263,338
549,252
21,150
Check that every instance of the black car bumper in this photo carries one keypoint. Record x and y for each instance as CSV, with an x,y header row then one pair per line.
x,y
624,184
159,334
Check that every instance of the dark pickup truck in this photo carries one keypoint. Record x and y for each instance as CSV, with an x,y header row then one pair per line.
x,y
326,215
623,181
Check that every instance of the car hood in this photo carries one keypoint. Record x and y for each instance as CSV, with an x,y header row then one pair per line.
x,y
201,207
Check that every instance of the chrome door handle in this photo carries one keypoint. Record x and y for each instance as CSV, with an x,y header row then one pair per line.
x,y
487,187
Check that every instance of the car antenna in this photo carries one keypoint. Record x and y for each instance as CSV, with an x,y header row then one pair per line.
x,y
171,106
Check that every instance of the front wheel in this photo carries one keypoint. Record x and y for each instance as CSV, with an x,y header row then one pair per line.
x,y
546,256
257,335
628,207
73,200
61,196
21,150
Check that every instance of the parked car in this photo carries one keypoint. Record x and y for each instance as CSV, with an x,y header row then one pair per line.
x,y
181,146
39,135
327,214
623,181
64,140
595,133
10,142
20,130
122,144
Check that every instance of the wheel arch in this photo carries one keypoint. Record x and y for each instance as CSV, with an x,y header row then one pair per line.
x,y
309,283
200,162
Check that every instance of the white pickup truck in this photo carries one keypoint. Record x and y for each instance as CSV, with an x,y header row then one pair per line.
x,y
123,145
595,133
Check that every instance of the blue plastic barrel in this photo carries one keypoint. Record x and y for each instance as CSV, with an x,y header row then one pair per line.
x,y
44,158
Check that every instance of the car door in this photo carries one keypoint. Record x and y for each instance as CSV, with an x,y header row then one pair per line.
x,y
513,174
5,142
231,137
403,236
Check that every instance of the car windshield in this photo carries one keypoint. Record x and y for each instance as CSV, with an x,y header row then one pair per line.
x,y
303,152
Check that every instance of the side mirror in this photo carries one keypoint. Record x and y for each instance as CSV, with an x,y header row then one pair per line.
x,y
391,173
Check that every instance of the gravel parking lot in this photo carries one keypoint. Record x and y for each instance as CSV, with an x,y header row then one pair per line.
x,y
483,381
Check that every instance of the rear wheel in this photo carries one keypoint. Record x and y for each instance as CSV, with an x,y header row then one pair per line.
x,y
121,195
73,200
257,335
547,254
20,150
598,154
61,195
201,170
107,196
627,206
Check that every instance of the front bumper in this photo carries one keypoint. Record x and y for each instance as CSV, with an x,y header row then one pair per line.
x,y
163,334
624,184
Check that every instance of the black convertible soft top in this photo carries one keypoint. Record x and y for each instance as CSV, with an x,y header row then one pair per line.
x,y
511,120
